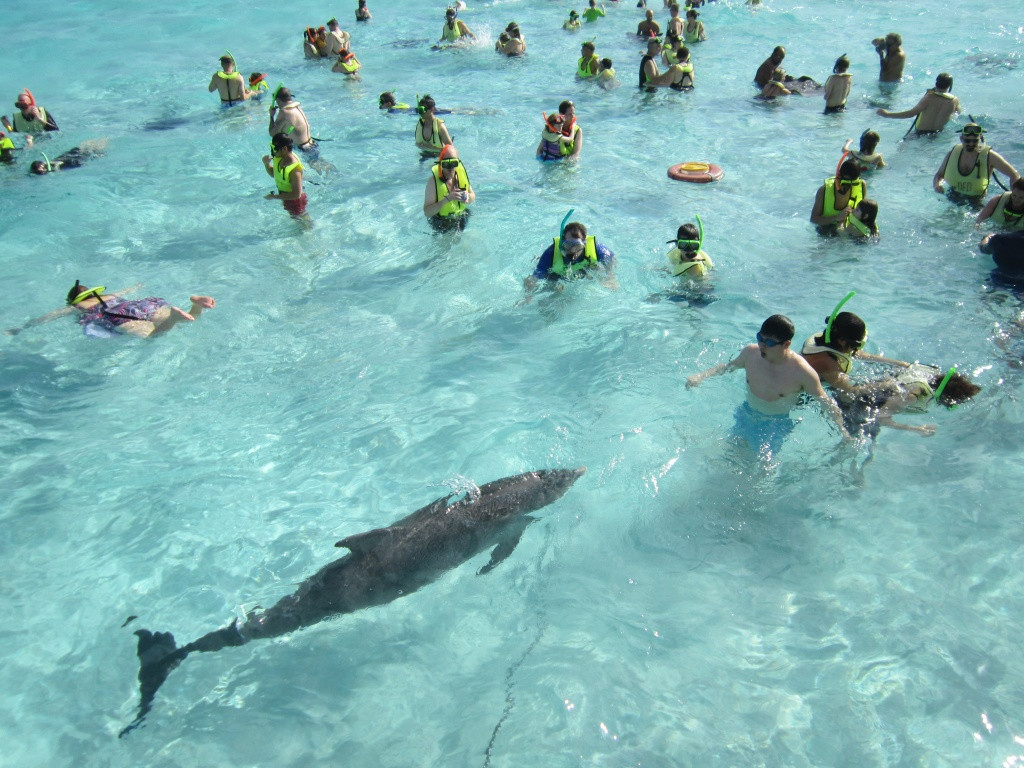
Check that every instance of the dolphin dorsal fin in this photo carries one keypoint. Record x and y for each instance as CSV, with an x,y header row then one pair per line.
x,y
361,543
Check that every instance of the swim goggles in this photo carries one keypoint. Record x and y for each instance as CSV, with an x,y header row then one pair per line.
x,y
768,342
450,163
972,130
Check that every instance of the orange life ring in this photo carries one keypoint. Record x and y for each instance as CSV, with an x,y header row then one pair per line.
x,y
699,173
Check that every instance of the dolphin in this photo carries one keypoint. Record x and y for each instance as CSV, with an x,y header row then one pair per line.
x,y
382,565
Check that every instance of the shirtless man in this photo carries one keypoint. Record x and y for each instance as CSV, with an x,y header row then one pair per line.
x,y
229,83
891,57
933,110
287,117
648,27
337,39
776,377
675,24
768,67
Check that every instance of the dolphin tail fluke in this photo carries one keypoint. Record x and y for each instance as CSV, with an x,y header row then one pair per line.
x,y
159,655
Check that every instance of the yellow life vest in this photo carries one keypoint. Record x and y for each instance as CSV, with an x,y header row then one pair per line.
x,y
451,33
6,143
558,265
30,126
811,348
350,64
829,201
1000,214
606,74
435,136
690,267
860,226
975,182
452,207
282,176
692,37
583,66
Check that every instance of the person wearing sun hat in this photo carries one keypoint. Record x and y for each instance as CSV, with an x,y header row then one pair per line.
x,y
448,192
30,117
228,82
968,166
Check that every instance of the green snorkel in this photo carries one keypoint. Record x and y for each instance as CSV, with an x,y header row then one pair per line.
x,y
942,386
835,313
278,90
49,165
699,242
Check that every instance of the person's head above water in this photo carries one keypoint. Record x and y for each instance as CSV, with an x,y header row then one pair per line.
x,y
849,171
944,82
426,105
79,293
893,40
283,96
448,159
386,100
868,141
842,64
778,54
653,46
958,389
848,333
687,238
226,62
777,330
281,141
39,168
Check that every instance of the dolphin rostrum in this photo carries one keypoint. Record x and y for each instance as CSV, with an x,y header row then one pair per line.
x,y
382,564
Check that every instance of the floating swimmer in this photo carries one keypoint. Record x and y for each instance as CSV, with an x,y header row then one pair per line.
x,y
688,258
258,85
573,255
104,315
73,158
362,12
572,24
1006,210
454,30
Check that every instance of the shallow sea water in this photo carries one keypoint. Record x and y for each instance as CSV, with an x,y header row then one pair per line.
x,y
683,604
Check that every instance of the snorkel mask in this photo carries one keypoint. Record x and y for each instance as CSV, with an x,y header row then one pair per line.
x,y
96,292
695,245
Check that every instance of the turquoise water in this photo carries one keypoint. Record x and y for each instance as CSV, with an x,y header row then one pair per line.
x,y
682,604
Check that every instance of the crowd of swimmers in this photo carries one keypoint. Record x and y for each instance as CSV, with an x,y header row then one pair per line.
x,y
777,376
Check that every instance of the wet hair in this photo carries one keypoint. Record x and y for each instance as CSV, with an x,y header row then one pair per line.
x,y
427,103
849,170
38,167
778,327
281,140
576,227
868,141
674,8
386,100
1018,184
606,63
225,60
683,53
959,389
842,64
847,327
565,106
503,38
894,37
589,44
692,14
869,209
283,93
779,52
944,81
688,232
